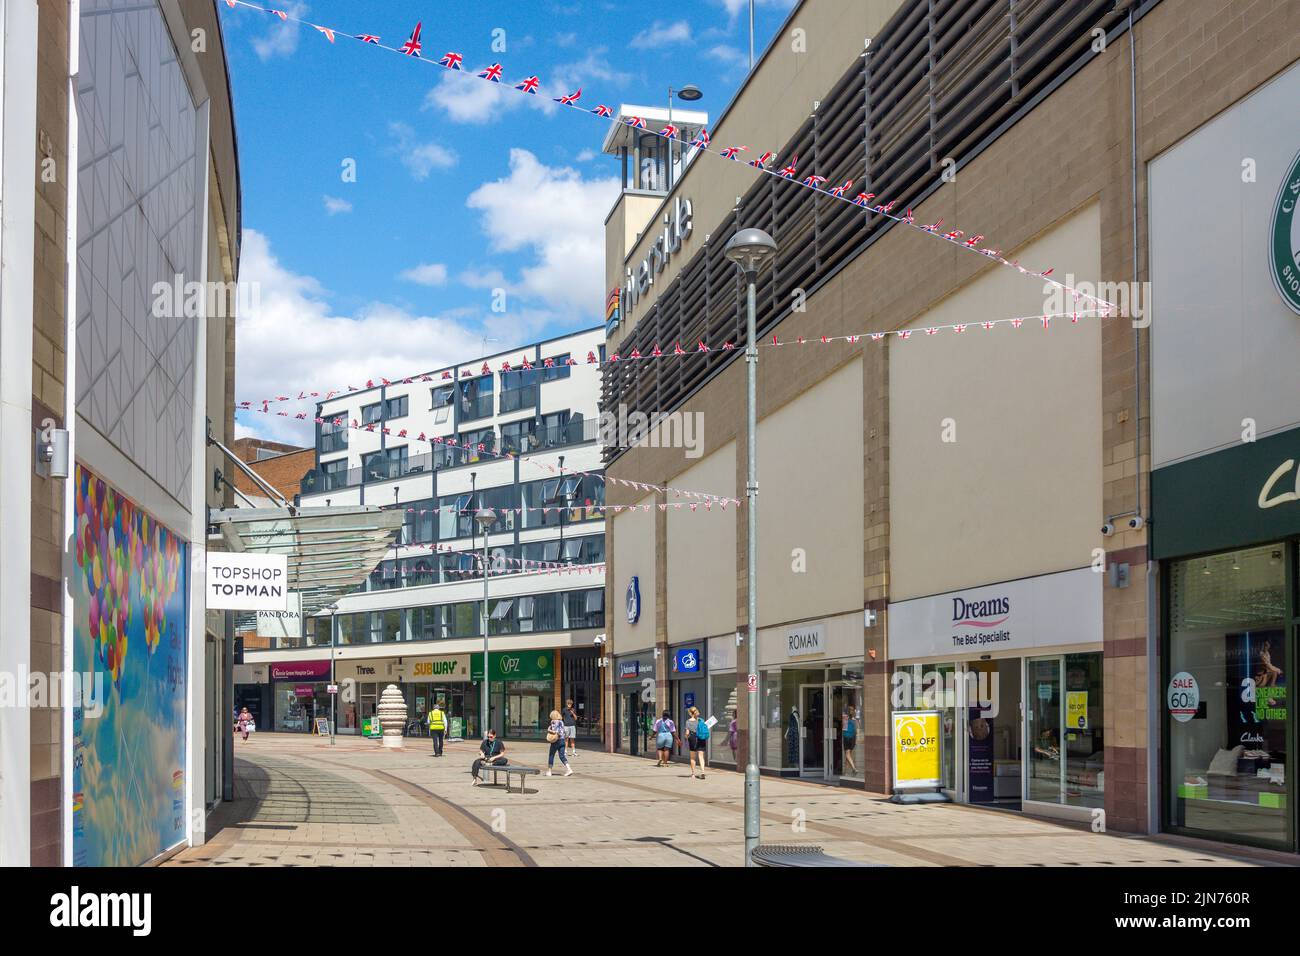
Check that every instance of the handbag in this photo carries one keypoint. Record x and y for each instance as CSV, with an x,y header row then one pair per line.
x,y
552,736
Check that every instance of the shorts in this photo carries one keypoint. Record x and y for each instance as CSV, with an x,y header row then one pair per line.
x,y
570,731
696,744
850,742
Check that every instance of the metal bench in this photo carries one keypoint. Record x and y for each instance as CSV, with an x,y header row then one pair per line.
x,y
508,769
798,854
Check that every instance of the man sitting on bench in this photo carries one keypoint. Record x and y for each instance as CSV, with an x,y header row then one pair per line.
x,y
491,752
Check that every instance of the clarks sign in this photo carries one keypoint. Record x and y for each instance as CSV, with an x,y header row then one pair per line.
x,y
1284,238
677,228
1270,496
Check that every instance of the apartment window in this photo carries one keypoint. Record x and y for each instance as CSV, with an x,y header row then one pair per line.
x,y
388,463
519,437
470,452
335,474
476,397
387,626
534,502
332,437
560,370
419,527
518,389
353,628
455,514
524,614
372,413
396,407
535,551
419,571
586,608
500,617
425,623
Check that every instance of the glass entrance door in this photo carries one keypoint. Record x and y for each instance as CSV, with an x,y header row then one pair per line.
x,y
992,754
1046,769
812,749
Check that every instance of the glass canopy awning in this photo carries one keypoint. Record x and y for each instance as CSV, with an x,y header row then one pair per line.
x,y
331,551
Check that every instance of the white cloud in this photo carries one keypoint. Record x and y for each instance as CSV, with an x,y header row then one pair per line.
x,y
661,34
281,37
465,98
734,7
427,273
334,205
290,340
728,55
586,155
558,216
420,158
484,279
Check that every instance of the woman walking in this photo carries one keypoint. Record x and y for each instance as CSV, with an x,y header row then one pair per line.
x,y
697,739
245,723
665,734
555,737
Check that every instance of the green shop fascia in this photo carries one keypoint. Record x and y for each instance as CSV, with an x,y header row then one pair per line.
x,y
1225,528
521,691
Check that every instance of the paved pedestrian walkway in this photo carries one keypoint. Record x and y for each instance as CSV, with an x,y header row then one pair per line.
x,y
301,802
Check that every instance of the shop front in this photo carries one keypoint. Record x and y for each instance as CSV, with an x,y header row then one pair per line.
x,y
299,696
1225,528
253,690
522,692
634,694
812,705
424,681
723,700
1014,673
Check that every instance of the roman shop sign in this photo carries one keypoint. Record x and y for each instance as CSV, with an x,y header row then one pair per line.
x,y
805,641
1284,238
1044,611
247,582
637,280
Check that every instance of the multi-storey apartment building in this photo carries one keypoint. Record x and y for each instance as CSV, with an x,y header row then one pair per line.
x,y
516,434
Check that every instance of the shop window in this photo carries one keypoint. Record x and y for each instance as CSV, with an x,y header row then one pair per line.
x,y
1225,696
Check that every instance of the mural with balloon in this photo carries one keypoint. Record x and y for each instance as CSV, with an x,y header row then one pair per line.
x,y
129,638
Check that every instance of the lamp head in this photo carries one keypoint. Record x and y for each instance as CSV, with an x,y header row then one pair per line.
x,y
485,518
750,249
690,93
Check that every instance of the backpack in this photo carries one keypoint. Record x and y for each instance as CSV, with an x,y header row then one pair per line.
x,y
701,730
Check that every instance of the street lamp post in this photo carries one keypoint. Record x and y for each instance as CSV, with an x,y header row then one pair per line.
x,y
485,519
334,697
749,249
690,93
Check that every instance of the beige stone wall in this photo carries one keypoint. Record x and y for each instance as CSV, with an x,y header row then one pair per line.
x,y
701,562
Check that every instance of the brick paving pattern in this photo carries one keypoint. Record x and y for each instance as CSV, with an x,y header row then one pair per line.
x,y
300,802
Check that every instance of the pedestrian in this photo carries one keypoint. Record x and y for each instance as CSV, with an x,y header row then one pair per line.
x,y
437,727
733,736
570,728
850,736
245,723
555,737
697,739
491,752
665,733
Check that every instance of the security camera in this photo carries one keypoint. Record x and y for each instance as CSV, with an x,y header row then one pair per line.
x,y
1136,523
1107,529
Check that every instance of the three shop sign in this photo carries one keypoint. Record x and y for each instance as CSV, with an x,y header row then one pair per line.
x,y
1284,238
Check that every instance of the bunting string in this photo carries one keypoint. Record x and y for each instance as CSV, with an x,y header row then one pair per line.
x,y
451,61
701,348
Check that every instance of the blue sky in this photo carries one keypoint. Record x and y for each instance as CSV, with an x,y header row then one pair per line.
x,y
460,188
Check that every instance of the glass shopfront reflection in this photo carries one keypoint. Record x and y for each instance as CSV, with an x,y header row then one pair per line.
x,y
812,720
1231,632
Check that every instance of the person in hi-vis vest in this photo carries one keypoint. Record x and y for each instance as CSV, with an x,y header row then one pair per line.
x,y
437,727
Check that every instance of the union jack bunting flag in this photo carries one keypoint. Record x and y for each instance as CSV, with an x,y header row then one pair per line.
x,y
570,99
635,122
329,34
669,131
789,171
492,73
732,152
839,191
281,14
412,45
762,161
452,61
529,85
933,227
814,181
367,38
603,110
701,141
861,199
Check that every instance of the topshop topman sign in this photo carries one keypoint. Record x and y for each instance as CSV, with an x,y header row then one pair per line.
x,y
637,281
247,582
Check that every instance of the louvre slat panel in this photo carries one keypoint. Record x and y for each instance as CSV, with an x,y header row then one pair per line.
x,y
941,77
